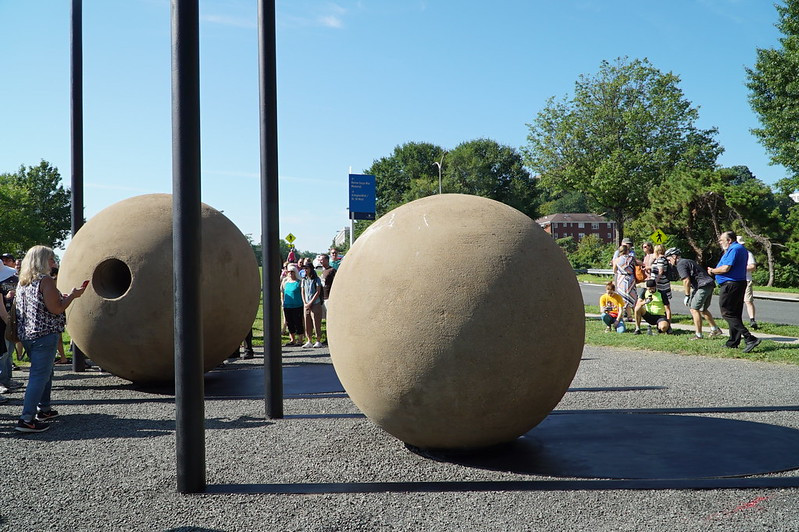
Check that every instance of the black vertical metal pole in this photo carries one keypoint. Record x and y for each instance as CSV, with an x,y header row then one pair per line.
x,y
270,224
186,244
76,111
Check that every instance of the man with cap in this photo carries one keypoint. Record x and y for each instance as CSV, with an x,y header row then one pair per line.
x,y
730,275
625,242
698,287
749,296
8,260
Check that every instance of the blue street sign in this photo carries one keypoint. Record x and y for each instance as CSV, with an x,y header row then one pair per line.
x,y
362,197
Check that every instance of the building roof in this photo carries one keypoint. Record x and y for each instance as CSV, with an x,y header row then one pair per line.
x,y
572,217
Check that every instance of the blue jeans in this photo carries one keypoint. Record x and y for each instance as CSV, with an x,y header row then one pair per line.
x,y
40,379
5,364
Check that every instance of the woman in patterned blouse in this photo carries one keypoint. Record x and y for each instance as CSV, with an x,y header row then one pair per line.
x,y
40,321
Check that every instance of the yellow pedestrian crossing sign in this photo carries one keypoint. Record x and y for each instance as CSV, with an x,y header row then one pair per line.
x,y
290,238
658,237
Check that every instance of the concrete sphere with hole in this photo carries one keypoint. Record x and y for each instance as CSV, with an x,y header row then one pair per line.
x,y
455,322
124,322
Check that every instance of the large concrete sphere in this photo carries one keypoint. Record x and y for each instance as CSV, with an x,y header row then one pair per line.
x,y
124,321
455,322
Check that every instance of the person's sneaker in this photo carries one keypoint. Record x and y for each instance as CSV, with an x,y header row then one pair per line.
x,y
307,345
47,415
753,324
14,385
695,337
637,331
751,345
247,354
714,333
318,345
31,426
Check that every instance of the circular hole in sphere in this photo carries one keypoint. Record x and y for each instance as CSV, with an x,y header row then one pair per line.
x,y
111,279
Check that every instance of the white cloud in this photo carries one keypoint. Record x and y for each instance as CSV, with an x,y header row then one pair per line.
x,y
330,21
312,14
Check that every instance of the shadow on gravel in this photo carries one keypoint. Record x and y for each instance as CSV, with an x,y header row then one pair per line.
x,y
74,427
640,446
298,379
619,389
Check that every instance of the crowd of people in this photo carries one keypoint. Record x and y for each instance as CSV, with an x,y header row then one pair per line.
x,y
34,309
642,290
303,293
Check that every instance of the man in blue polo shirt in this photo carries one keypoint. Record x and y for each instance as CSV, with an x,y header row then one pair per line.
x,y
731,277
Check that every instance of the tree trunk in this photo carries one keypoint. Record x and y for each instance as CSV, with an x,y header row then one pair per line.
x,y
619,227
763,241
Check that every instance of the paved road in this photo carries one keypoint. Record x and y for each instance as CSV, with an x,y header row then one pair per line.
x,y
766,310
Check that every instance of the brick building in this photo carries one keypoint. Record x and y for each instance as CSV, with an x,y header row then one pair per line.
x,y
577,225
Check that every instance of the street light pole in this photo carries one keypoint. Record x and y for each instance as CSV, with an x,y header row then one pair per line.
x,y
439,164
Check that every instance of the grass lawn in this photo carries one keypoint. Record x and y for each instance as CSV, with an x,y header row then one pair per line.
x,y
680,342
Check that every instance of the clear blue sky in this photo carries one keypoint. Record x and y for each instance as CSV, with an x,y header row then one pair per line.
x,y
355,79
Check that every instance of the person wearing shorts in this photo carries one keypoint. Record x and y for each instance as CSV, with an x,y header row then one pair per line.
x,y
749,294
652,309
698,287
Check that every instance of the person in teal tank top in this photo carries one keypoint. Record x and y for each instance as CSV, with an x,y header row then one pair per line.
x,y
291,298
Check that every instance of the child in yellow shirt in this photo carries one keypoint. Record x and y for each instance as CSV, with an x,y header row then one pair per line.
x,y
610,307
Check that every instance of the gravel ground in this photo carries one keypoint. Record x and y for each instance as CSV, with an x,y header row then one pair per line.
x,y
108,463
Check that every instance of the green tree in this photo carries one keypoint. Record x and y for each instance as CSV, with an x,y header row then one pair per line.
x,y
480,167
774,93
405,175
565,201
36,207
624,131
698,205
685,204
590,253
486,168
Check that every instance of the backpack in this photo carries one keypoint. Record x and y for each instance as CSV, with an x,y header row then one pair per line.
x,y
671,272
640,275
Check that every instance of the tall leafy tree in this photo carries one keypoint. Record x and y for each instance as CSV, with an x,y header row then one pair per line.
x,y
480,167
686,205
564,201
405,175
774,93
624,130
36,207
698,205
486,168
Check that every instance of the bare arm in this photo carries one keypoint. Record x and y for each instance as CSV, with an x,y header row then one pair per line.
x,y
720,269
53,300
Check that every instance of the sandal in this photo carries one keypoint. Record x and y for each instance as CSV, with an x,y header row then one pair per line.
x,y
63,362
